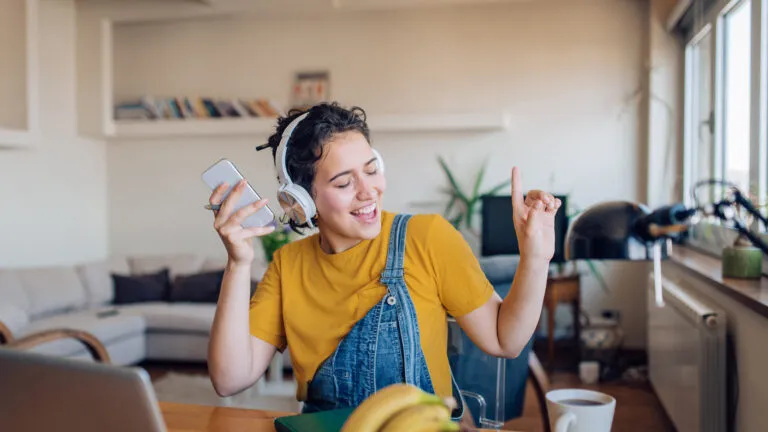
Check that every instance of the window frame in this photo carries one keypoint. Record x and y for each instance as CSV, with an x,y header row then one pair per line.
x,y
711,236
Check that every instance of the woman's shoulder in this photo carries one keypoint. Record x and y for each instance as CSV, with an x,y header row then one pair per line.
x,y
428,223
298,247
425,226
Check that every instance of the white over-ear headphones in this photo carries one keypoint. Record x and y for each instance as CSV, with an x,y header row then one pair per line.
x,y
296,201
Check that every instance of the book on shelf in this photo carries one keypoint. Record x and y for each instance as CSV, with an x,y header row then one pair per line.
x,y
166,108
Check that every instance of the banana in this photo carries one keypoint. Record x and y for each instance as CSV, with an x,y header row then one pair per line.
x,y
370,415
421,418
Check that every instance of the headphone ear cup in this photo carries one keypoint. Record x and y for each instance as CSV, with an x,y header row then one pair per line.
x,y
297,203
379,160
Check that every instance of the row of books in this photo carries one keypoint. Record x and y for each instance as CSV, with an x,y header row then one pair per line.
x,y
152,108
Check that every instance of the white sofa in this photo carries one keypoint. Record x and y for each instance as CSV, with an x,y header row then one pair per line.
x,y
44,298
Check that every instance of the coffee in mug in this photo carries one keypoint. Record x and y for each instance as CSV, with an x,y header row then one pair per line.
x,y
580,402
577,410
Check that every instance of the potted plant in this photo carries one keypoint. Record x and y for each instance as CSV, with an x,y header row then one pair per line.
x,y
462,207
273,241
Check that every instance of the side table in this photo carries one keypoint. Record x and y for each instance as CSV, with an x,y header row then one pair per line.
x,y
562,288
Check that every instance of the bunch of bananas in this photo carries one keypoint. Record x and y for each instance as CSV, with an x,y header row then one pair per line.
x,y
402,407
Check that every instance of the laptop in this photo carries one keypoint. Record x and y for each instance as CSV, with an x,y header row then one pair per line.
x,y
45,393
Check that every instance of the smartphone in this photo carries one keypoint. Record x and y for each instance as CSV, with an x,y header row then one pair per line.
x,y
225,171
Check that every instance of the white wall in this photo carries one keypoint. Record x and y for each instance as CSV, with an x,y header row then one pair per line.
x,y
565,71
54,206
13,98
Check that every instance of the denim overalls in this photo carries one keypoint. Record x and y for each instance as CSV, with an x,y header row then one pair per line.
x,y
382,348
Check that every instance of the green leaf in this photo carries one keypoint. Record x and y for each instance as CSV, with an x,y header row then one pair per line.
x,y
478,181
456,222
452,180
449,207
598,275
470,213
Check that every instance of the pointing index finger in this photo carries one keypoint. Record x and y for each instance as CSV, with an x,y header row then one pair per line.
x,y
517,189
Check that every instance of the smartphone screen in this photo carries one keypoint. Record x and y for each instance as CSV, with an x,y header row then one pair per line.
x,y
225,171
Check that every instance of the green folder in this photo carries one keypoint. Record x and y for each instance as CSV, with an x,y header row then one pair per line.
x,y
322,421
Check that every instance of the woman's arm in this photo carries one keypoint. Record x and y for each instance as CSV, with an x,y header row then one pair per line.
x,y
503,328
236,359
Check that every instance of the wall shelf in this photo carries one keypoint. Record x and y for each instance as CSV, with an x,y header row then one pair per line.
x,y
10,138
148,129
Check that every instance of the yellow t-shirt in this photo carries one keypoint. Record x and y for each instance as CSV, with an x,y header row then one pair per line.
x,y
309,299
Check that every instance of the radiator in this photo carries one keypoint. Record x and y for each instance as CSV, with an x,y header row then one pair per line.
x,y
686,358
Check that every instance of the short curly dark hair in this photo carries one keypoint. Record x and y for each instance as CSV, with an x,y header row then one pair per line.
x,y
305,147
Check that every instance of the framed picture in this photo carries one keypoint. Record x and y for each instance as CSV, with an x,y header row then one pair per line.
x,y
310,88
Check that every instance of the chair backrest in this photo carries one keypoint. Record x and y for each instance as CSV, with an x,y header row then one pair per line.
x,y
538,377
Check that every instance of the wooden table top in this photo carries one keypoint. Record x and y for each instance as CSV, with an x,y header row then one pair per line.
x,y
197,418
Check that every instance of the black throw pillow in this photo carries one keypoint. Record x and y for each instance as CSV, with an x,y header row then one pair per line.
x,y
197,288
142,288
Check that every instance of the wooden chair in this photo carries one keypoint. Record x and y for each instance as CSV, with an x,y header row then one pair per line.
x,y
540,381
540,384
92,344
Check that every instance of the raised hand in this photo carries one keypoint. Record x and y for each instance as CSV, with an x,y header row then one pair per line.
x,y
237,240
534,219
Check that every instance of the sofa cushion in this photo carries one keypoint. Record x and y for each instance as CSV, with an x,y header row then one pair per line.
x,y
142,288
197,288
52,290
178,264
12,291
106,329
499,268
174,317
258,268
97,279
13,317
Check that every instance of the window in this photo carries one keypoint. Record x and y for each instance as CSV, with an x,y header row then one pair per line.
x,y
736,94
700,128
724,113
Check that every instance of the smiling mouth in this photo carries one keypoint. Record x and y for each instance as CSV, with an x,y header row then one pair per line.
x,y
367,213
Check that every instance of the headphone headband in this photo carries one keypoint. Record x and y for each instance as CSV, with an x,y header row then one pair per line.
x,y
282,149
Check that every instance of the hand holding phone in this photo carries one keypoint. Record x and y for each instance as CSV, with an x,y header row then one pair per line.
x,y
242,214
225,172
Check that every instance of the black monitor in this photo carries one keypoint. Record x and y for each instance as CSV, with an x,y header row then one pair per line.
x,y
498,232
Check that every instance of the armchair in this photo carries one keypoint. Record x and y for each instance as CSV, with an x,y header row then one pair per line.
x,y
94,347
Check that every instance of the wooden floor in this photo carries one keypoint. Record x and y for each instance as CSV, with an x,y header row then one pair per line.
x,y
637,407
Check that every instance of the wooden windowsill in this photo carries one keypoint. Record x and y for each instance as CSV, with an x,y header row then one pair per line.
x,y
753,293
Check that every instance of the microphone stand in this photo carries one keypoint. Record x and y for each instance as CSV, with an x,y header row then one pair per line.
x,y
723,210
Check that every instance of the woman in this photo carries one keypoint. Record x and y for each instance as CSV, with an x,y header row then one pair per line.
x,y
363,303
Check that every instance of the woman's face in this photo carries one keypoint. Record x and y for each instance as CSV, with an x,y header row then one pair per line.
x,y
348,188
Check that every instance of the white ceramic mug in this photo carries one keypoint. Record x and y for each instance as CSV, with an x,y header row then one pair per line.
x,y
576,410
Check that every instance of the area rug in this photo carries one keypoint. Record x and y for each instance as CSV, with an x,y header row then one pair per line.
x,y
197,389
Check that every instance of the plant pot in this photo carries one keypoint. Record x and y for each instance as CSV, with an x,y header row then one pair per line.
x,y
745,262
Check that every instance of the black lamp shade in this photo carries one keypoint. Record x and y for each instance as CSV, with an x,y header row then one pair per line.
x,y
608,231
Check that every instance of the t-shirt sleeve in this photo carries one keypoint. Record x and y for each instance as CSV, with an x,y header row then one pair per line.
x,y
461,283
266,312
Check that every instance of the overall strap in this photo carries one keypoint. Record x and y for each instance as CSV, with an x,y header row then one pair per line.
x,y
396,251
